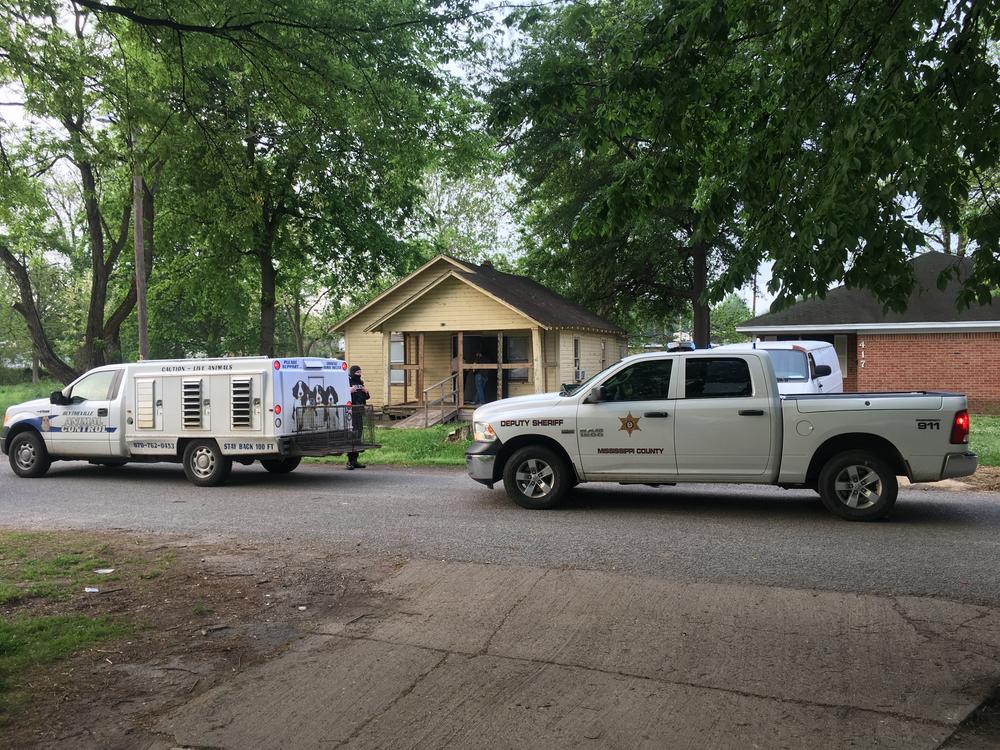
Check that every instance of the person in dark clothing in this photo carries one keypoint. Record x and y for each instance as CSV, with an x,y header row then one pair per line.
x,y
359,396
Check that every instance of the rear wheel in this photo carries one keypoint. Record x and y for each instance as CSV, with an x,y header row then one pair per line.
x,y
28,456
204,463
281,465
858,486
536,477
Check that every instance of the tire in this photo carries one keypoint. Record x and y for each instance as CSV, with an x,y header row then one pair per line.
x,y
281,465
28,456
204,464
858,486
536,477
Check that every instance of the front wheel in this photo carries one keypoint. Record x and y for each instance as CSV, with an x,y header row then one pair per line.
x,y
536,477
281,465
204,464
28,456
858,486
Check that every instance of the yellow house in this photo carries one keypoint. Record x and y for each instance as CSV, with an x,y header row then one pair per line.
x,y
425,340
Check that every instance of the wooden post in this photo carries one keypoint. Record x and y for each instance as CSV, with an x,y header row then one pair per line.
x,y
420,372
536,356
386,398
461,371
499,365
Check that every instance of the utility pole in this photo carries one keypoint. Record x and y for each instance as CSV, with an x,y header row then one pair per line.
x,y
138,195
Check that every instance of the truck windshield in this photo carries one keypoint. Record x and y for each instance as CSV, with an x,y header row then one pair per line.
x,y
568,389
789,364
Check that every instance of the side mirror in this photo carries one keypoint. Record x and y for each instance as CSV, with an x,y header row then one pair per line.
x,y
823,370
57,398
595,396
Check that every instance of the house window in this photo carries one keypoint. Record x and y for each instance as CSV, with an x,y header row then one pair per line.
x,y
516,350
578,374
397,356
604,354
621,352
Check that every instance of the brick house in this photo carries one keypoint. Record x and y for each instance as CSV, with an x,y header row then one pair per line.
x,y
931,346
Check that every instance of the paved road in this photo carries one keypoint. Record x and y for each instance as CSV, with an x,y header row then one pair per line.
x,y
941,544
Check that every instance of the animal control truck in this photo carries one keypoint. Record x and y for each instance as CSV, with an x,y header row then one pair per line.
x,y
718,416
204,413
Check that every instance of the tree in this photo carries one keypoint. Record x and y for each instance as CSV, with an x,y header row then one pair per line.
x,y
610,150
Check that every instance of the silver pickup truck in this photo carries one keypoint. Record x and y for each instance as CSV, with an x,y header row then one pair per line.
x,y
714,416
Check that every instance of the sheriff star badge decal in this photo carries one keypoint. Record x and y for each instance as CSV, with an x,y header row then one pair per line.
x,y
629,424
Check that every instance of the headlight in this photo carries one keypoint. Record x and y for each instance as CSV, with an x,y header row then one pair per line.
x,y
483,432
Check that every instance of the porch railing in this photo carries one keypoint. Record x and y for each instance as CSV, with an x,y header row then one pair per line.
x,y
446,395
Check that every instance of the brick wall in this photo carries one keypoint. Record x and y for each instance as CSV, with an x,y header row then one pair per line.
x,y
965,362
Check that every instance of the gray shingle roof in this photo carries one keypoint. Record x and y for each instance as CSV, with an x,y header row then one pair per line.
x,y
927,303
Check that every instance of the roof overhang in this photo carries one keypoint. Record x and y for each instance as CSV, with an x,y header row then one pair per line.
x,y
971,326
375,325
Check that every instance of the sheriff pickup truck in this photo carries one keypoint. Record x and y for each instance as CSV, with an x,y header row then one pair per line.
x,y
713,416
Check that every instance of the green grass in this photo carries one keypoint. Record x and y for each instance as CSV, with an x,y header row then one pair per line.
x,y
46,565
15,394
424,447
29,641
39,565
984,439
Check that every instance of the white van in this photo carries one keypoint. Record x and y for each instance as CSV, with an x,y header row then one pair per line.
x,y
204,413
801,366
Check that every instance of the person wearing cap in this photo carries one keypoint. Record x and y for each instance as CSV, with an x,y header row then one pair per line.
x,y
359,396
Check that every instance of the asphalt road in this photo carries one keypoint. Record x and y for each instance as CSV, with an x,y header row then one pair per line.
x,y
937,543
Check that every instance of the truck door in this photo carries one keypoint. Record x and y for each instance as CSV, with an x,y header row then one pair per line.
x,y
630,432
723,427
84,427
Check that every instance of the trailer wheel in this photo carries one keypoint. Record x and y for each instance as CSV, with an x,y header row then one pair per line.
x,y
204,463
858,486
536,478
28,455
281,465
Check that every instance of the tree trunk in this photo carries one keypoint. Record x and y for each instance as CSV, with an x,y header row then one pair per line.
x,y
946,239
27,308
93,354
701,312
268,284
963,243
34,365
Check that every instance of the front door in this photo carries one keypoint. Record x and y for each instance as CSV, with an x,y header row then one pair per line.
x,y
84,427
630,431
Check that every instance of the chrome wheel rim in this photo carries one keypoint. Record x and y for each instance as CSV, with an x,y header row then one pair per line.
x,y
203,462
26,456
858,486
534,478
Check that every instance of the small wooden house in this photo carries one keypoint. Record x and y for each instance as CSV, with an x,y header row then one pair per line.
x,y
425,339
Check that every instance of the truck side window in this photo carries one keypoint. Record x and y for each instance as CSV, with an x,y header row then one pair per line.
x,y
643,381
711,377
93,387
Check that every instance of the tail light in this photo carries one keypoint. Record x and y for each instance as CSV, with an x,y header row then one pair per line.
x,y
277,408
348,404
277,365
960,428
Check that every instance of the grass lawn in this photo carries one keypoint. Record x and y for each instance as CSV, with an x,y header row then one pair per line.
x,y
35,570
15,394
984,439
422,447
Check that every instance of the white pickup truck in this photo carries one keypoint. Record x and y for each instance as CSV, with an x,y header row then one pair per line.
x,y
707,416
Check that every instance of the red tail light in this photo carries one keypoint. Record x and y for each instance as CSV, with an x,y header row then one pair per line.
x,y
960,428
277,365
277,408
348,403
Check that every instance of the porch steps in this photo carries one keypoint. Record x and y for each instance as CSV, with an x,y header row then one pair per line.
x,y
435,415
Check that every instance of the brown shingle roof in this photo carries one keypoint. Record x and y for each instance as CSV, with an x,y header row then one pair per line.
x,y
536,301
927,303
